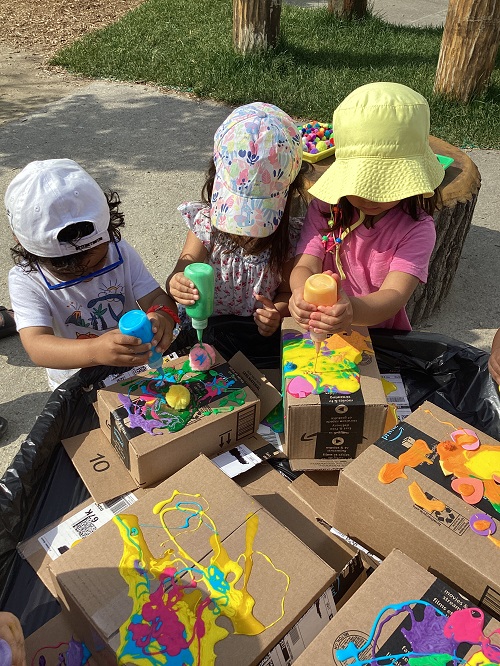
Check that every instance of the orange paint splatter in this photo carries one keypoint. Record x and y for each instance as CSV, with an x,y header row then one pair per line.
x,y
419,498
415,455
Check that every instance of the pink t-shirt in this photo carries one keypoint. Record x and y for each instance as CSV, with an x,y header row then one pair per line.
x,y
395,243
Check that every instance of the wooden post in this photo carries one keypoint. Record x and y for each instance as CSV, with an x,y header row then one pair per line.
x,y
348,8
256,24
468,48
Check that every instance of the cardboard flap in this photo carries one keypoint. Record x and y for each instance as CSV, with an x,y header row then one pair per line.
x,y
98,464
319,491
269,396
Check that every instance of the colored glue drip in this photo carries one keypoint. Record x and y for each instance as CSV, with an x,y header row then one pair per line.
x,y
203,278
137,324
320,289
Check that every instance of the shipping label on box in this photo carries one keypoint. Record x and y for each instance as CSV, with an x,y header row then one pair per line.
x,y
334,402
197,568
432,484
405,615
155,437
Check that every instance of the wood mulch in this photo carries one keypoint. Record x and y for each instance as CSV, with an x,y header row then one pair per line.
x,y
42,27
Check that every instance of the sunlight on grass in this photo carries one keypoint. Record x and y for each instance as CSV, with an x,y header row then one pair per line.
x,y
187,46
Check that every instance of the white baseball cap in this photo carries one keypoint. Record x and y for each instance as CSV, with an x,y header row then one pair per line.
x,y
46,197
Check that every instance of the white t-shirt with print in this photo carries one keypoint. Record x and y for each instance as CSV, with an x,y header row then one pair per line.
x,y
85,310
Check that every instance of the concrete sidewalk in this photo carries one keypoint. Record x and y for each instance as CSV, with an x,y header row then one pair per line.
x,y
153,149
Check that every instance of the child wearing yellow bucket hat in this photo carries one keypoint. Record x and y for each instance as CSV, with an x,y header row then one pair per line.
x,y
370,223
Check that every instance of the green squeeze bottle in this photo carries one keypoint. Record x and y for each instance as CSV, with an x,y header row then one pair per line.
x,y
203,278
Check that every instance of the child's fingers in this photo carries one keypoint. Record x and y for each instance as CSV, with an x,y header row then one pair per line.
x,y
266,302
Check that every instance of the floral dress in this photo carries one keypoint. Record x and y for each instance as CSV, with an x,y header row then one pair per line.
x,y
237,275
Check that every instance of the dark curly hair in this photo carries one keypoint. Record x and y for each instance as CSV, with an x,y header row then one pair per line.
x,y
279,241
73,264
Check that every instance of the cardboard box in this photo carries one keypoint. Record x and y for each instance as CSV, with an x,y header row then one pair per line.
x,y
334,404
400,494
276,494
55,638
403,611
59,536
154,440
199,556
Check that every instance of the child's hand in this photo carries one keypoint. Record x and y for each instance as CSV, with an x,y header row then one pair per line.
x,y
115,348
162,325
334,318
183,290
11,633
266,317
300,309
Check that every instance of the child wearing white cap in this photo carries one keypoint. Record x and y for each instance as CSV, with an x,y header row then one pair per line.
x,y
371,222
244,229
74,276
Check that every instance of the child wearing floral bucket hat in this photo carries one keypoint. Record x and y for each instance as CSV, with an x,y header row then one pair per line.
x,y
243,228
74,276
370,223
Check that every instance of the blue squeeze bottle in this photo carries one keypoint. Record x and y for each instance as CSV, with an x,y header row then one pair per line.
x,y
136,323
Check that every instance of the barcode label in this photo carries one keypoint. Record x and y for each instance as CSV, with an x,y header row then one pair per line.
x,y
294,635
270,436
120,503
491,601
245,425
84,527
62,537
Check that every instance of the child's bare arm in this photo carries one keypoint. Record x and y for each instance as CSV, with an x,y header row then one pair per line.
x,y
178,286
111,348
494,362
368,310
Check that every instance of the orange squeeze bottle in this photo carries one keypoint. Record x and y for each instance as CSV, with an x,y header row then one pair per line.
x,y
320,289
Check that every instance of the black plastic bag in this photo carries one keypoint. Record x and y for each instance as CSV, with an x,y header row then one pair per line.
x,y
41,484
451,374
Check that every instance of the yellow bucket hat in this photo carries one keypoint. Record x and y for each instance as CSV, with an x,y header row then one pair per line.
x,y
382,150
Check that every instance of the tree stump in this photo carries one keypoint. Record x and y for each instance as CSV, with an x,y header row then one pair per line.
x,y
459,191
256,24
468,48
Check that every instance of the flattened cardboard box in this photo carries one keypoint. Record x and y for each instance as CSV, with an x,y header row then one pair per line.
x,y
334,403
57,637
153,440
198,557
399,496
276,494
405,615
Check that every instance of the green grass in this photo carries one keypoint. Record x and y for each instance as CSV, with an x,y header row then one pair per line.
x,y
186,45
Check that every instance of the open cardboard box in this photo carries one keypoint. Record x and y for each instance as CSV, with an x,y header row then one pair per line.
x,y
229,576
404,614
154,441
399,494
334,404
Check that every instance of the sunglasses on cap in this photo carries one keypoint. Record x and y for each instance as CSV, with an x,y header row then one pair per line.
x,y
83,278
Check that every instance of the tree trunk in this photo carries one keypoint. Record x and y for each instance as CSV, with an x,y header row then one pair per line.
x,y
348,8
256,24
468,48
